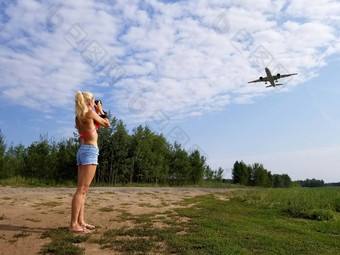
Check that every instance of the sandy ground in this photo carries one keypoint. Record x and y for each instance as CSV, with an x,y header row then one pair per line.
x,y
35,210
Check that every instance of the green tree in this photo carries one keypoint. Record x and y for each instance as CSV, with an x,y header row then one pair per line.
x,y
14,160
270,179
3,173
297,184
161,156
260,175
312,183
120,143
243,173
278,181
141,157
141,153
37,160
218,175
66,152
236,172
197,167
287,182
104,173
250,175
179,166
208,173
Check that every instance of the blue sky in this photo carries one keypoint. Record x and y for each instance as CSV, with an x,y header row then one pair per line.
x,y
182,68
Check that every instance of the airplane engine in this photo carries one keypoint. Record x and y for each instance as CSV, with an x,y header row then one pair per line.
x,y
278,75
261,78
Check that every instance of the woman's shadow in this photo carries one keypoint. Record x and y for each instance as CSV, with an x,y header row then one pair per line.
x,y
23,228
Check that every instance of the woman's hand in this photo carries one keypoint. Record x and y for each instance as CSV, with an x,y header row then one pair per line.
x,y
98,107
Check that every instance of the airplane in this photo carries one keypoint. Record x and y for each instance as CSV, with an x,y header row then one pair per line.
x,y
272,79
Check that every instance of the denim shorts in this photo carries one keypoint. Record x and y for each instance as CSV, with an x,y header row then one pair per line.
x,y
87,155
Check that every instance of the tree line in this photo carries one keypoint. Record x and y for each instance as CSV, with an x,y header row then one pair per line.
x,y
140,157
257,175
312,183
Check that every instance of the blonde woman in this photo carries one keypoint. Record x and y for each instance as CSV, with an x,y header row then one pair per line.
x,y
87,121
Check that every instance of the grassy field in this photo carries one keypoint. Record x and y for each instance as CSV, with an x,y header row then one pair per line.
x,y
19,181
259,221
310,203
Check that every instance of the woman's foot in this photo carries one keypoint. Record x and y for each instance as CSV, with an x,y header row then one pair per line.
x,y
88,226
80,230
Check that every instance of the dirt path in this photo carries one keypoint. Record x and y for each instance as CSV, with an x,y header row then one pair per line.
x,y
25,213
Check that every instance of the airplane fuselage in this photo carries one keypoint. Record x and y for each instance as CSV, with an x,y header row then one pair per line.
x,y
270,77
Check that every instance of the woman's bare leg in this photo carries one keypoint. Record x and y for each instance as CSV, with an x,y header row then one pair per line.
x,y
81,221
86,174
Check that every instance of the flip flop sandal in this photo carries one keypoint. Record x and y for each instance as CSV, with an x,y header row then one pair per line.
x,y
79,231
89,226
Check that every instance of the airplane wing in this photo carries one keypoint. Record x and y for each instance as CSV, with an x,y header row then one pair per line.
x,y
275,77
264,79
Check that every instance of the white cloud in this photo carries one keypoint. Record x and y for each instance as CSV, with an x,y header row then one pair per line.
x,y
185,58
317,9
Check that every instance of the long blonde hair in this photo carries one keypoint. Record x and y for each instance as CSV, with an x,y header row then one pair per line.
x,y
82,100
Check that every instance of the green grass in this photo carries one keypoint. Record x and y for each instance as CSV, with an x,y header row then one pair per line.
x,y
149,205
107,193
106,209
214,185
317,203
6,198
51,204
62,242
135,184
139,245
233,227
252,222
15,237
23,234
19,181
